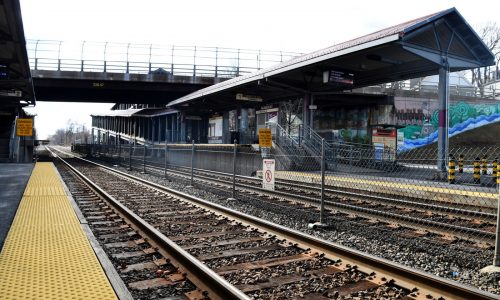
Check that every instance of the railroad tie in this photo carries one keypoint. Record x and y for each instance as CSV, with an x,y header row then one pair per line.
x,y
451,170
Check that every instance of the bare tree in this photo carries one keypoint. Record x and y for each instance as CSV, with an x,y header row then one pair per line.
x,y
289,112
73,133
490,34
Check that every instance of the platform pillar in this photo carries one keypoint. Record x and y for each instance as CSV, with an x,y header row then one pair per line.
x,y
305,111
443,99
243,125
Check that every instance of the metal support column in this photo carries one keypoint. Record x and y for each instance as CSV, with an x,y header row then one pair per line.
x,y
144,158
130,154
311,112
119,149
443,99
166,146
305,112
233,197
192,163
322,208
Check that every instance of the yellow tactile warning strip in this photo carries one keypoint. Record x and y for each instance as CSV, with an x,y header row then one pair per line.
x,y
46,254
391,184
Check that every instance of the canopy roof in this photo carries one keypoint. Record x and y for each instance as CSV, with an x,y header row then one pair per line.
x,y
15,74
416,48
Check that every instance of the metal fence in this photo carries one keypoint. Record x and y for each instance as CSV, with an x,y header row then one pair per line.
x,y
402,198
218,62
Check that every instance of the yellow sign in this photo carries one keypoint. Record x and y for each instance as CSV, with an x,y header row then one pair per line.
x,y
265,137
24,127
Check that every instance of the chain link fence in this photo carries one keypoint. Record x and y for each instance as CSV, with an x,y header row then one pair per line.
x,y
403,198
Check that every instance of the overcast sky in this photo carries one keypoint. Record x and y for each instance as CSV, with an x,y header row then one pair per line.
x,y
300,26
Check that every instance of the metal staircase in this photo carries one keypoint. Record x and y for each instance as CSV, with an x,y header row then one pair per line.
x,y
293,155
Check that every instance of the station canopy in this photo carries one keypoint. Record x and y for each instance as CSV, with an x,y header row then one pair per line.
x,y
15,76
416,48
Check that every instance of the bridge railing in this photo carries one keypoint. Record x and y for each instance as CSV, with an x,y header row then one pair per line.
x,y
150,59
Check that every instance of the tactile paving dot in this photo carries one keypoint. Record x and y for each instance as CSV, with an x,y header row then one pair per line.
x,y
46,254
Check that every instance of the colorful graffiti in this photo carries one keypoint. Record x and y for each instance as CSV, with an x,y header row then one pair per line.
x,y
463,116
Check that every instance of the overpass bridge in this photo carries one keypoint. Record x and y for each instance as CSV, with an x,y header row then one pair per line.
x,y
136,73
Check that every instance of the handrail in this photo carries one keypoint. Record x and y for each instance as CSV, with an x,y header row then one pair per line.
x,y
148,58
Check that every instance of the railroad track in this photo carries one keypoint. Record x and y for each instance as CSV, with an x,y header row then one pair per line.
x,y
474,224
224,254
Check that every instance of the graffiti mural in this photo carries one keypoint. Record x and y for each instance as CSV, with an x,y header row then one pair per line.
x,y
420,118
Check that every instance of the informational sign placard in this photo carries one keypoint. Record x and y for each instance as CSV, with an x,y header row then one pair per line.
x,y
24,127
339,77
384,141
268,166
265,138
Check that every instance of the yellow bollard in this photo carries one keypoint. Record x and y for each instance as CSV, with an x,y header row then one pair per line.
x,y
477,171
498,174
484,165
461,163
494,168
451,170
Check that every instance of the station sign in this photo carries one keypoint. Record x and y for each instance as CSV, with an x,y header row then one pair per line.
x,y
265,138
253,98
339,78
24,127
268,168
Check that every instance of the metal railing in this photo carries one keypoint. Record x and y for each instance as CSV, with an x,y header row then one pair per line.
x,y
408,202
217,62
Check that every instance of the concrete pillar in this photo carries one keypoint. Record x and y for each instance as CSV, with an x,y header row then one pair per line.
x,y
443,99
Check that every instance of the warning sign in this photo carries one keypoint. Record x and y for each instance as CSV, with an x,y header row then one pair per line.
x,y
265,138
268,174
24,127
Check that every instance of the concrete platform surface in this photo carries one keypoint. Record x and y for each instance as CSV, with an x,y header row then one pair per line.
x,y
13,180
47,254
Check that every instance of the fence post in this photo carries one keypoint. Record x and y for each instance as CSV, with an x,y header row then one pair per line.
x,y
496,258
234,172
119,150
192,163
166,157
322,207
130,154
144,158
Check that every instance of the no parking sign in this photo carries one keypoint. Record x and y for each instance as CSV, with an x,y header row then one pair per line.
x,y
268,174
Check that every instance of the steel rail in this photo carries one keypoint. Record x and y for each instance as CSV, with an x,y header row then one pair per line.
x,y
464,232
408,203
403,275
218,287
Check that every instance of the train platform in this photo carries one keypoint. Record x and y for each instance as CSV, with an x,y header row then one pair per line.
x,y
13,180
47,254
401,186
